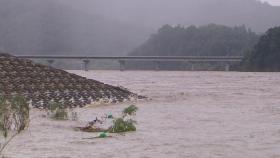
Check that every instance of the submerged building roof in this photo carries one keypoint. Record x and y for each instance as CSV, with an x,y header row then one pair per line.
x,y
41,84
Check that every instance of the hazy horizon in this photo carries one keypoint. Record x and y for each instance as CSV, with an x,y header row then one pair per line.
x,y
273,2
116,27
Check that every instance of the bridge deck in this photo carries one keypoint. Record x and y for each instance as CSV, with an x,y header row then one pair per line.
x,y
139,58
123,59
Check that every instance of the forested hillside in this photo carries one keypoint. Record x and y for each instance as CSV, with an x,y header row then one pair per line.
x,y
266,54
216,40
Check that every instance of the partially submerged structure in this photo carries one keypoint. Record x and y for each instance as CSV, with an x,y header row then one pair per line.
x,y
41,85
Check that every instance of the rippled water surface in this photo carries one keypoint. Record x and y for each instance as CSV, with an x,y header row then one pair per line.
x,y
190,114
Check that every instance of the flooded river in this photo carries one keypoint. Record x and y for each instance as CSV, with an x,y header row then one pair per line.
x,y
189,115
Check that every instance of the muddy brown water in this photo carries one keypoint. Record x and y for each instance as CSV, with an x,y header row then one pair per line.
x,y
191,114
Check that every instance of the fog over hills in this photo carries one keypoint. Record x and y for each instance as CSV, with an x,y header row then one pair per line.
x,y
114,27
48,27
155,13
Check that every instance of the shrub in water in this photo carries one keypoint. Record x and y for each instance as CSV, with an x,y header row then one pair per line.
x,y
120,125
60,114
57,111
131,110
14,118
124,124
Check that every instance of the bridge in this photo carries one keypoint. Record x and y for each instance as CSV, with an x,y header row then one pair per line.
x,y
157,60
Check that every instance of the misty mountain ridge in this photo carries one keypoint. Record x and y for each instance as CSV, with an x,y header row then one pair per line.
x,y
208,40
115,27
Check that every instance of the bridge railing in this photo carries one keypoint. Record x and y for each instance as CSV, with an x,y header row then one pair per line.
x,y
123,59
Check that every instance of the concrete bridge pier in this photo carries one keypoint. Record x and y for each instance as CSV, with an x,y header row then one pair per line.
x,y
192,67
85,64
50,62
157,65
122,65
227,67
186,65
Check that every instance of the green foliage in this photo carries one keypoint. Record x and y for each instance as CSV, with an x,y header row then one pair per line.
x,y
14,114
125,123
21,112
57,111
60,114
53,106
103,135
131,110
110,116
266,54
14,118
5,112
121,125
209,40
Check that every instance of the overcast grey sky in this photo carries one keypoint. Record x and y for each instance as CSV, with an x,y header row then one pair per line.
x,y
273,2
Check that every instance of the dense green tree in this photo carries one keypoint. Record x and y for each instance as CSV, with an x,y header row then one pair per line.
x,y
266,54
209,40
